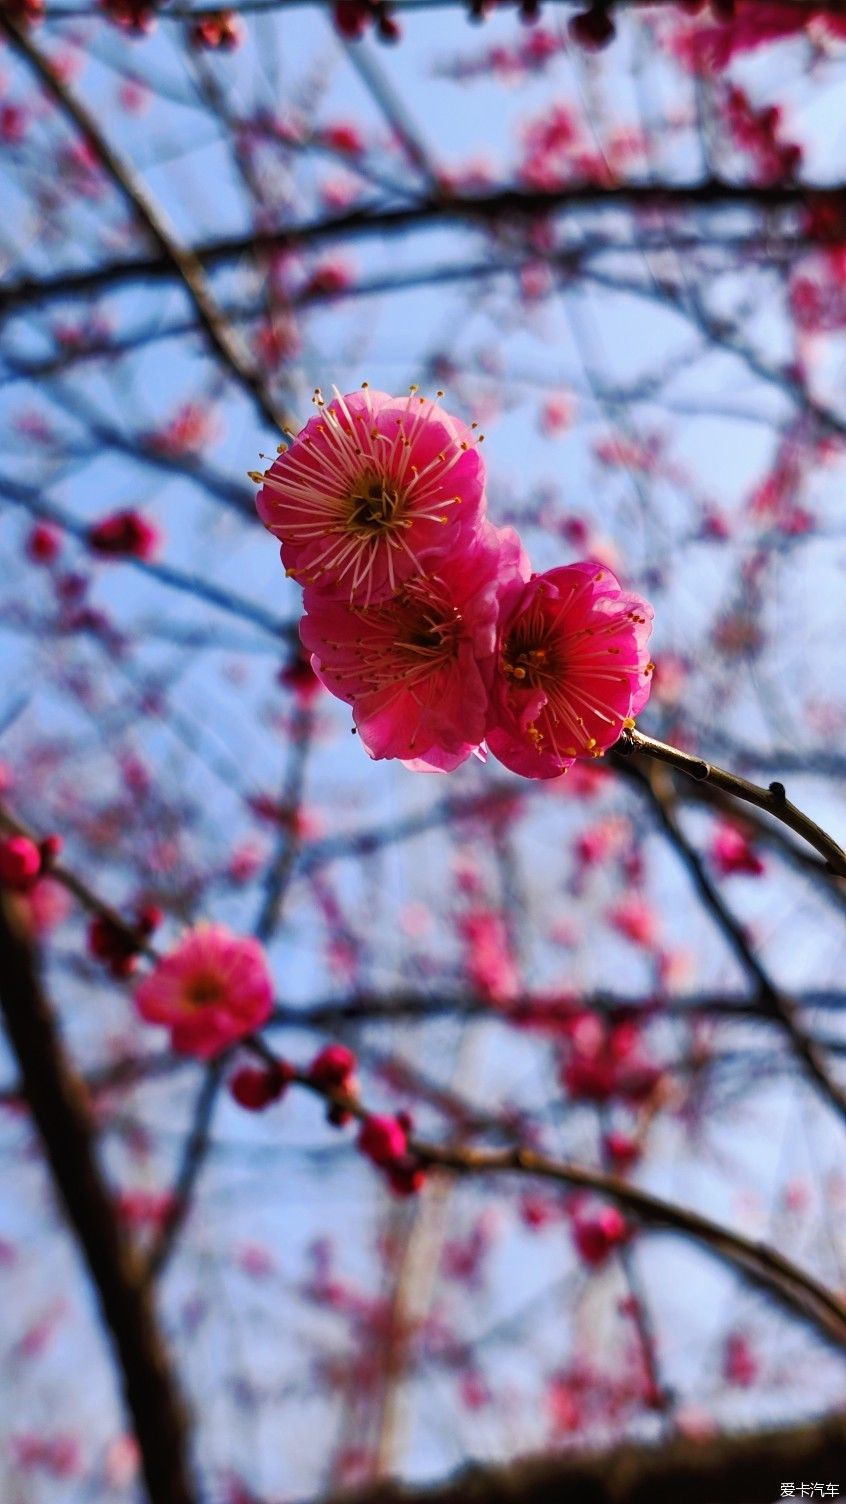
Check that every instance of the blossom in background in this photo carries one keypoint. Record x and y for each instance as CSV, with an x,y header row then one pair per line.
x,y
44,543
635,918
370,489
417,668
123,534
211,990
732,851
20,863
573,668
194,426
597,1234
489,963
222,29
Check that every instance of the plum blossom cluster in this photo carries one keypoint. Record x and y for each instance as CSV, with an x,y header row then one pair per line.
x,y
425,618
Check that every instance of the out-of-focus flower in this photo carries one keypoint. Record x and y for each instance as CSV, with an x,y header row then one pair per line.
x,y
123,535
212,989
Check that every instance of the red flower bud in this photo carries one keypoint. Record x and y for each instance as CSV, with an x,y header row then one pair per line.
x,y
256,1087
382,1140
333,1067
20,863
43,544
126,534
595,1237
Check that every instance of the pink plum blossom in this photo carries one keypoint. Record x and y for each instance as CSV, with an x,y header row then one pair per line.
x,y
370,489
732,851
417,668
573,668
213,989
490,966
635,918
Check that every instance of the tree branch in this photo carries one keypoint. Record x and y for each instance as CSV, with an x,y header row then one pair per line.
x,y
180,261
772,800
485,210
748,1468
56,1098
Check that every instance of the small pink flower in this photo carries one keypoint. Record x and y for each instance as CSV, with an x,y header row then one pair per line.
x,y
490,966
136,17
256,1087
123,534
622,1150
214,988
732,851
740,1365
556,414
20,863
344,136
573,668
334,1068
597,1235
193,426
13,124
363,496
44,543
43,907
417,669
635,918
383,1140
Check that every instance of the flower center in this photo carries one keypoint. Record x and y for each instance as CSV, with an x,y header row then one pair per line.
x,y
532,665
203,989
429,626
375,505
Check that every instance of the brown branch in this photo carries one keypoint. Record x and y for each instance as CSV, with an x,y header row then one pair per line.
x,y
486,211
32,500
709,797
793,1287
771,999
746,1468
763,1265
56,1098
772,800
182,262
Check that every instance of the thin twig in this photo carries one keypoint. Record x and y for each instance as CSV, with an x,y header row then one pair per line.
x,y
183,262
773,799
771,999
484,210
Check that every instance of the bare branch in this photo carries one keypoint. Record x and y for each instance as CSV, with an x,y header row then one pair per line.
x,y
183,263
747,1468
56,1098
772,800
